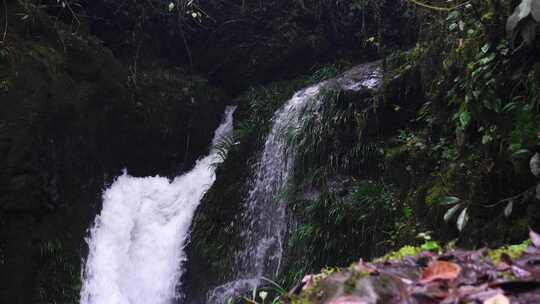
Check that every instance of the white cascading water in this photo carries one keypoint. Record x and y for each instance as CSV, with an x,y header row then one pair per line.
x,y
266,213
136,246
265,210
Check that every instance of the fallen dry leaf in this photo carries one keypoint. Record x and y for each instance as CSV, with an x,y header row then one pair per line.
x,y
535,238
308,281
440,270
520,272
502,266
361,266
498,299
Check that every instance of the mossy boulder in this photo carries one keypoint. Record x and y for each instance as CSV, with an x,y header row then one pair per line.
x,y
419,276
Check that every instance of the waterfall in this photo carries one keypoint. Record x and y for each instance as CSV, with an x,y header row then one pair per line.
x,y
266,213
265,209
136,245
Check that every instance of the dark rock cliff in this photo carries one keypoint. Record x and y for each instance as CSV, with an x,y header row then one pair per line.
x,y
71,119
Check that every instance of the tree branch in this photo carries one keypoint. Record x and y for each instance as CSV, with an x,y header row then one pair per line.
x,y
438,8
525,194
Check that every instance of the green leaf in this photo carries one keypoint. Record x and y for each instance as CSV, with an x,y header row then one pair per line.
x,y
453,15
508,209
462,219
487,59
485,48
509,107
449,200
520,152
431,246
450,213
407,212
464,119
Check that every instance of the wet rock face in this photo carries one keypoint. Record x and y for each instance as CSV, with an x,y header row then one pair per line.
x,y
69,123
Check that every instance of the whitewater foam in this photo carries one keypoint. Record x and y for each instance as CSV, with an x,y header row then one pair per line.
x,y
136,245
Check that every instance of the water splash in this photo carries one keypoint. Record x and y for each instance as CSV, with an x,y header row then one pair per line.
x,y
137,242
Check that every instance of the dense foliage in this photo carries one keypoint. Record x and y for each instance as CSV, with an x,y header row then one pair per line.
x,y
458,167
443,148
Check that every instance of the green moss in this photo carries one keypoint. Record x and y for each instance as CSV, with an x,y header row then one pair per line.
x,y
300,300
385,282
513,251
311,293
355,276
349,285
403,252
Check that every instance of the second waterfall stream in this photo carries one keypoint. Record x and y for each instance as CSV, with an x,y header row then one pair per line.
x,y
265,209
136,246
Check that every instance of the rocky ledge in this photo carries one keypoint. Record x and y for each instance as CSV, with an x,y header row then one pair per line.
x,y
502,276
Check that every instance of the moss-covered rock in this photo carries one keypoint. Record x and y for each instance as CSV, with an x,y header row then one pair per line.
x,y
412,274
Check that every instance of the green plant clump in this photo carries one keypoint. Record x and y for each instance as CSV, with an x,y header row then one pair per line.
x,y
513,251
